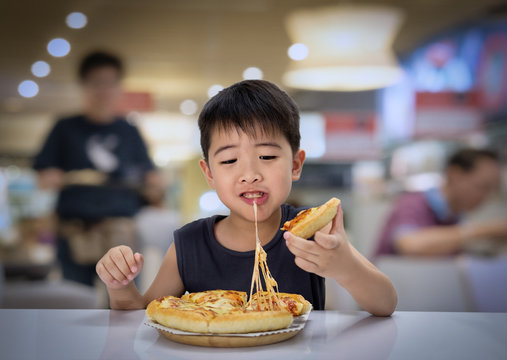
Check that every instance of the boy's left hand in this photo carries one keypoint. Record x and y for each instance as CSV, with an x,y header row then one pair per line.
x,y
324,255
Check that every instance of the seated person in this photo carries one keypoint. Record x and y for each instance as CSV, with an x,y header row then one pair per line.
x,y
428,223
250,142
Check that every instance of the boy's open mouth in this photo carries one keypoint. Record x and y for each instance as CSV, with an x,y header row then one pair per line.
x,y
252,195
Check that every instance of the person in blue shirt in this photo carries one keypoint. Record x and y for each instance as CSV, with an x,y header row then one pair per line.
x,y
250,142
99,163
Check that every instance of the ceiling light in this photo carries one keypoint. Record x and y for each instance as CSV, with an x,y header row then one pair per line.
x,y
214,89
41,69
76,20
58,47
28,88
252,73
349,48
298,52
188,107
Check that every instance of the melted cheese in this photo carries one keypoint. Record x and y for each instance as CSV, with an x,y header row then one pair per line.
x,y
268,299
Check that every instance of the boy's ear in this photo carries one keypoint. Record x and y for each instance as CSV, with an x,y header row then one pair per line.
x,y
297,164
207,173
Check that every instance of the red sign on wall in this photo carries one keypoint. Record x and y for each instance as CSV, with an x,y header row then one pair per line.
x,y
351,136
135,101
447,115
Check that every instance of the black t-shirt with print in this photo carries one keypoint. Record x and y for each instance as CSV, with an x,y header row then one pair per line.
x,y
116,149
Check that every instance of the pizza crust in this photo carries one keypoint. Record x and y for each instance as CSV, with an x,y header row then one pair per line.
x,y
190,319
250,321
309,221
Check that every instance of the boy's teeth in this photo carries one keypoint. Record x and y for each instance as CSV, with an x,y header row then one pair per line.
x,y
253,195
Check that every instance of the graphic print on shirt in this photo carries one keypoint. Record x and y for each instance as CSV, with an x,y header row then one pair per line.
x,y
100,151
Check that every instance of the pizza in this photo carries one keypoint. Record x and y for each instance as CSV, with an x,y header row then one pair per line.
x,y
217,312
309,221
294,303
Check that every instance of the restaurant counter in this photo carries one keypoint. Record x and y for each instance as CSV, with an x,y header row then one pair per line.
x,y
122,335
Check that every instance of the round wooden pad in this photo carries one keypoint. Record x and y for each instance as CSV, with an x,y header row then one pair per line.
x,y
229,341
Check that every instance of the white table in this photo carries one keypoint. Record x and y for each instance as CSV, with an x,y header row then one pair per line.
x,y
104,334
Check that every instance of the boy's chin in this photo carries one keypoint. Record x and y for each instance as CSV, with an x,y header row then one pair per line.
x,y
263,214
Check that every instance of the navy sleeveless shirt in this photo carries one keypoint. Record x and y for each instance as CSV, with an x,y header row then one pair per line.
x,y
204,264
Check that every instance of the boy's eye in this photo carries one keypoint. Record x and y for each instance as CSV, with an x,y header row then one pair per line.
x,y
267,157
231,161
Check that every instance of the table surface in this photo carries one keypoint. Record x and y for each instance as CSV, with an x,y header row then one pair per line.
x,y
105,334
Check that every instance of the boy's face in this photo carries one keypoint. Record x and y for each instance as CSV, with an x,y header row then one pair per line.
x,y
242,169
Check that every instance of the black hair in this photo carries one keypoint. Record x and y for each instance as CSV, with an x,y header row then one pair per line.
x,y
247,106
467,159
99,59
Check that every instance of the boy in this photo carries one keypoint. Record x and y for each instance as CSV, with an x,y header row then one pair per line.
x,y
250,142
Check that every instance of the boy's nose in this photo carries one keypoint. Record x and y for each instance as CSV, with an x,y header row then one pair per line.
x,y
249,172
250,175
250,178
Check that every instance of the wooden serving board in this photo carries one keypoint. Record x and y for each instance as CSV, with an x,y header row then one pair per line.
x,y
228,341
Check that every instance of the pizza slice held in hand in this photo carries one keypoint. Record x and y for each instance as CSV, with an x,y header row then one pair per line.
x,y
309,221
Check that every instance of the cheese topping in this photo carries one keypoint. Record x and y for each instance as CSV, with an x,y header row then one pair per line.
x,y
269,299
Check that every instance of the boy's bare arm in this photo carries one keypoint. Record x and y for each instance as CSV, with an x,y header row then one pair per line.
x,y
372,290
118,268
331,255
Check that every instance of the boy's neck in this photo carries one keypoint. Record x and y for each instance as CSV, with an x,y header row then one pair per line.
x,y
238,234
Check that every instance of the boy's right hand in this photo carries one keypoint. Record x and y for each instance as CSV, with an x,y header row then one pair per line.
x,y
119,266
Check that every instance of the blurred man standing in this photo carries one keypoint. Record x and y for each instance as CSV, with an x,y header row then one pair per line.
x,y
427,223
99,163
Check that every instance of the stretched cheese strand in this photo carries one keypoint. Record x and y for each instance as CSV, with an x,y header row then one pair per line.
x,y
264,300
255,274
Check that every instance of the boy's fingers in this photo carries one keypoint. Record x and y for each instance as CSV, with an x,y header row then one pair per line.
x,y
104,274
337,222
303,244
128,256
306,265
327,241
303,254
139,261
118,260
115,272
